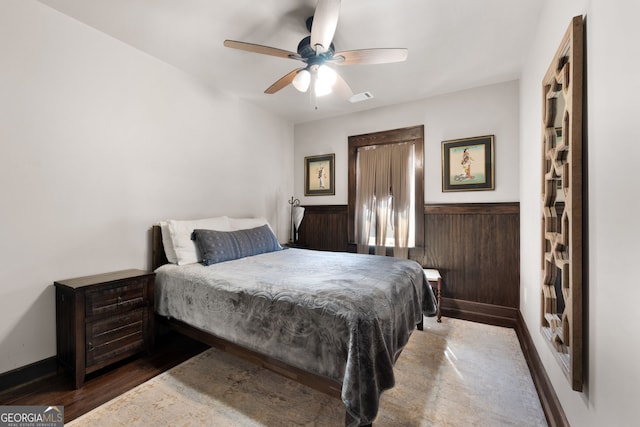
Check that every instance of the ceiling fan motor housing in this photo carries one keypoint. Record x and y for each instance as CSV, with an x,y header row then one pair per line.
x,y
309,53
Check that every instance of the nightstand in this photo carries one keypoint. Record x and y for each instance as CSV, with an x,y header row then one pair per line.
x,y
435,280
102,319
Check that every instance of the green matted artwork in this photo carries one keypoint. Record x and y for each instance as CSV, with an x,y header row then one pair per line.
x,y
468,164
319,175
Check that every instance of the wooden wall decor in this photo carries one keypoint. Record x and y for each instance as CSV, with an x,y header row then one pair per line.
x,y
561,287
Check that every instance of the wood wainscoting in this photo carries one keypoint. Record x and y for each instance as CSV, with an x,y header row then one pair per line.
x,y
476,248
324,227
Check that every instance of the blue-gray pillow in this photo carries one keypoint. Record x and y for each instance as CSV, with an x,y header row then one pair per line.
x,y
218,246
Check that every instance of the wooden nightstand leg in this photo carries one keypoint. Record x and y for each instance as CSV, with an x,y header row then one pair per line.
x,y
79,379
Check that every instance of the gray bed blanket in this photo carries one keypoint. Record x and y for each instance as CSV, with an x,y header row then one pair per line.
x,y
339,315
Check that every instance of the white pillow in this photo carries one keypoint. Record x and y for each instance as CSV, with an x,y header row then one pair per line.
x,y
167,243
247,223
180,231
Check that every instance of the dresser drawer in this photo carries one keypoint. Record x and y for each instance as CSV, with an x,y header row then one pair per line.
x,y
110,337
116,298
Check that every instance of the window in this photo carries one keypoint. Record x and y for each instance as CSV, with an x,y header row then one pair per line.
x,y
377,150
386,204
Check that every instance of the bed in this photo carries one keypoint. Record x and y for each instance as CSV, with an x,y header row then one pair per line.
x,y
334,321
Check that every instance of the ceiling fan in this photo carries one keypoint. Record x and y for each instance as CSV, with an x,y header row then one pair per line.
x,y
317,52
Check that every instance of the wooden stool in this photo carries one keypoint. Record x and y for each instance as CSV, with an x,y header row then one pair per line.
x,y
435,280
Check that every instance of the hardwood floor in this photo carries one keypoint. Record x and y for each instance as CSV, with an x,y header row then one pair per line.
x,y
170,350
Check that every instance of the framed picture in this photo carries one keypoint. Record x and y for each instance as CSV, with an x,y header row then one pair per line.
x,y
467,164
319,175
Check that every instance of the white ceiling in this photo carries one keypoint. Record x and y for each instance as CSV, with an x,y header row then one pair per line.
x,y
453,44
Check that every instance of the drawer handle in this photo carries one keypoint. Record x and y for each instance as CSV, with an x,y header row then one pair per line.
x,y
119,301
90,345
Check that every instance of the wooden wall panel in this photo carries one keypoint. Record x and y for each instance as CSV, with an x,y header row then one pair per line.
x,y
476,247
324,227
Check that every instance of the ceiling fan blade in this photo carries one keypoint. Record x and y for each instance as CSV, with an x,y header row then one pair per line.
x,y
325,21
370,56
265,50
341,88
283,81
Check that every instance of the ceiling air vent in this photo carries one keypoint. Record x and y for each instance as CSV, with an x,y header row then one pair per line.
x,y
362,96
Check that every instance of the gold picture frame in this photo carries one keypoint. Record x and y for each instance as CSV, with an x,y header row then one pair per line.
x,y
468,164
319,175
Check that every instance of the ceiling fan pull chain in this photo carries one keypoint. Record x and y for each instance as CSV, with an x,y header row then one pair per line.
x,y
313,99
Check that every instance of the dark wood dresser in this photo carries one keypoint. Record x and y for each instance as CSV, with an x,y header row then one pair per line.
x,y
102,319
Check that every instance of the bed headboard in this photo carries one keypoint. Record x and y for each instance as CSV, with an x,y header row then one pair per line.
x,y
158,256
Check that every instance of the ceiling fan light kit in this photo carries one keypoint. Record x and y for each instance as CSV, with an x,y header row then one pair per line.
x,y
325,80
321,89
324,76
302,80
316,51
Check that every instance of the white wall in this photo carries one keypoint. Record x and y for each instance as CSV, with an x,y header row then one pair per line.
x,y
489,110
612,369
98,141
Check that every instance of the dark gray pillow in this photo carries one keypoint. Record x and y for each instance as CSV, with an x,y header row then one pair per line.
x,y
218,246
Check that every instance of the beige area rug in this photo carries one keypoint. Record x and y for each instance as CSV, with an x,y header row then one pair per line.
x,y
455,373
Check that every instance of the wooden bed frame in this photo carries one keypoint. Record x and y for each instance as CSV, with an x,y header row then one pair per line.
x,y
322,384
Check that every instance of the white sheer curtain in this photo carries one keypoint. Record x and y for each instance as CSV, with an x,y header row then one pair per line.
x,y
365,196
383,189
401,189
